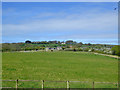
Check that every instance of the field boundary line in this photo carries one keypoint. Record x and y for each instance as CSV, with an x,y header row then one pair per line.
x,y
108,55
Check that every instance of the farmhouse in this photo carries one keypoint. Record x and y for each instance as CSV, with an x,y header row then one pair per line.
x,y
59,48
53,49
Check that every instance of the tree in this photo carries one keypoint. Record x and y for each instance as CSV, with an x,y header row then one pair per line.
x,y
116,50
63,48
80,43
89,44
52,42
27,41
69,42
86,49
74,49
59,42
6,47
79,49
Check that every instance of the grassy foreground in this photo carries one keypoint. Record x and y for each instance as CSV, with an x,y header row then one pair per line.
x,y
73,66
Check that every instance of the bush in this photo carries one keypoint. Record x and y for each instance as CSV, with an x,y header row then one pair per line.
x,y
63,48
80,49
74,49
86,49
116,50
97,51
92,50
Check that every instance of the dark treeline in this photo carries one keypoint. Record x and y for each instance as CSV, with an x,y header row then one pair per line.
x,y
52,42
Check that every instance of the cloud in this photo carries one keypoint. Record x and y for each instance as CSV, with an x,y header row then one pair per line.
x,y
102,22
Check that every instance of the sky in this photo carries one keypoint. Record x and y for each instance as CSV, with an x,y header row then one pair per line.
x,y
60,1
87,22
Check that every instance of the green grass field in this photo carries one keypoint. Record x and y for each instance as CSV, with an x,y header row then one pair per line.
x,y
73,66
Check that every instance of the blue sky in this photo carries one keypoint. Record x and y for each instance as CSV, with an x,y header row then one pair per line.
x,y
80,21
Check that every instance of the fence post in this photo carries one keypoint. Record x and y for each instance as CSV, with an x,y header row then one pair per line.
x,y
67,84
42,84
16,83
93,85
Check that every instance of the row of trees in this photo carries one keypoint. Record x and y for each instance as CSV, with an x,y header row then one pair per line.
x,y
52,42
68,42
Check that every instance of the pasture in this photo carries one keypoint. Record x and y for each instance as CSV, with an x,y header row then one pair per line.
x,y
58,66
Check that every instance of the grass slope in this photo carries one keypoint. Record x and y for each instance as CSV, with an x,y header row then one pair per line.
x,y
74,66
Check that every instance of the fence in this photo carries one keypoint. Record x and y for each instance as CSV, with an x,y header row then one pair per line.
x,y
67,83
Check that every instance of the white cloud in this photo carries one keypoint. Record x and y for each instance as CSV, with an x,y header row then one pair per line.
x,y
88,22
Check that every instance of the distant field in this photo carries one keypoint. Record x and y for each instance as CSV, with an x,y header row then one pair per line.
x,y
73,66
